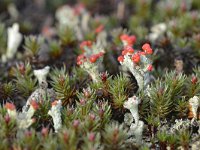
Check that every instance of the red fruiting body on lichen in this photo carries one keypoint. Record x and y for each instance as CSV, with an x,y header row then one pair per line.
x,y
10,106
136,58
150,68
147,48
124,37
129,49
79,63
93,58
120,58
100,54
130,40
80,57
99,28
54,103
48,31
141,53
85,43
149,51
34,104
124,52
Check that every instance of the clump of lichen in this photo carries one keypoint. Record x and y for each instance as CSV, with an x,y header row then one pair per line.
x,y
84,81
